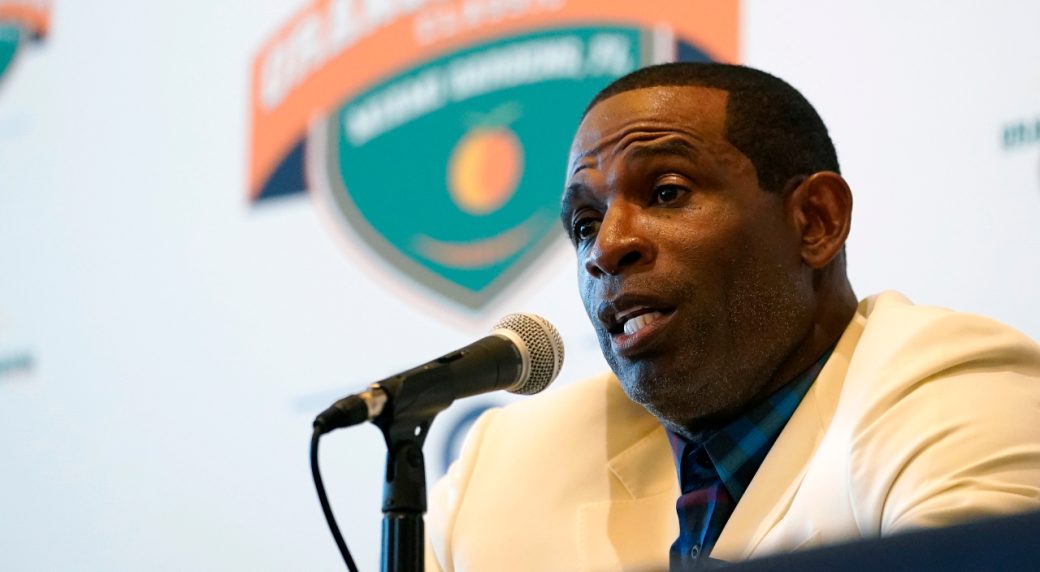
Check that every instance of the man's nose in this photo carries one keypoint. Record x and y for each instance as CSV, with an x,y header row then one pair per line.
x,y
621,244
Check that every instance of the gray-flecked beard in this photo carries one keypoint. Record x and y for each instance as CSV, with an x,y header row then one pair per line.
x,y
690,399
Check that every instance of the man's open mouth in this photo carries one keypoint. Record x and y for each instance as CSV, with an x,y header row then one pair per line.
x,y
638,319
629,314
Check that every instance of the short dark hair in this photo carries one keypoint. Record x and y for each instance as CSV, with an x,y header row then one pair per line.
x,y
769,121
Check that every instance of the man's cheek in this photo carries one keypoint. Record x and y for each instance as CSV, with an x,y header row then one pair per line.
x,y
585,288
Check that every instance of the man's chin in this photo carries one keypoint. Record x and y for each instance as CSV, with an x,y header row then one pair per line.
x,y
678,406
674,421
670,405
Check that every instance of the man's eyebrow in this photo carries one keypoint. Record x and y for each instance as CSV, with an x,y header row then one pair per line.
x,y
581,161
672,146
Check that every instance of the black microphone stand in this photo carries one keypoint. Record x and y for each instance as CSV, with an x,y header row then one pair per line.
x,y
405,405
404,495
405,421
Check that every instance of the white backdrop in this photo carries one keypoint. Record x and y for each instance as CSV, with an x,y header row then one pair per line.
x,y
168,343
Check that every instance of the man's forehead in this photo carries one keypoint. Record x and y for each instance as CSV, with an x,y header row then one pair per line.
x,y
694,110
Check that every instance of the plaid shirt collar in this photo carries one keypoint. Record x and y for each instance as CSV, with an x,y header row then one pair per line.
x,y
738,448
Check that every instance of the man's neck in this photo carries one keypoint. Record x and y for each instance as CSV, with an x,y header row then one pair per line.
x,y
836,306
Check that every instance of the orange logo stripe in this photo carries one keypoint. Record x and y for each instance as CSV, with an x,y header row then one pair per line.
x,y
35,16
317,58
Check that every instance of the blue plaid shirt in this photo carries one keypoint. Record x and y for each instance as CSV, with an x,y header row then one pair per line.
x,y
714,472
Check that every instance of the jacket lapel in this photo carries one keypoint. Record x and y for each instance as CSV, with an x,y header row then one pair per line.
x,y
636,524
768,497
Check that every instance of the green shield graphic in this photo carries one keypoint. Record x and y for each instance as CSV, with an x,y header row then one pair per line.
x,y
452,170
10,39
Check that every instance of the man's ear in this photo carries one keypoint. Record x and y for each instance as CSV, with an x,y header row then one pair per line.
x,y
821,208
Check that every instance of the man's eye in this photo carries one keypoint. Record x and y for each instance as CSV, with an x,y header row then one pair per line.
x,y
667,194
585,228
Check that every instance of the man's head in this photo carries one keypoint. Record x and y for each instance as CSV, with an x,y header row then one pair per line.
x,y
709,221
769,121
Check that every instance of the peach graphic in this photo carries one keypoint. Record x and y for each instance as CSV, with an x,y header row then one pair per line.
x,y
485,166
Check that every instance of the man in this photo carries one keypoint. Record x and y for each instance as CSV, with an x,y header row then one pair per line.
x,y
755,406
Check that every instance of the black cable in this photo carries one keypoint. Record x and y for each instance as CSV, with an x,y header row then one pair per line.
x,y
331,520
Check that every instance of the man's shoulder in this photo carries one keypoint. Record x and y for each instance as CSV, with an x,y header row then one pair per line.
x,y
580,431
914,421
899,333
554,463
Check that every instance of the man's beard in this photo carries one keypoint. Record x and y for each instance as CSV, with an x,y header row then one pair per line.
x,y
698,390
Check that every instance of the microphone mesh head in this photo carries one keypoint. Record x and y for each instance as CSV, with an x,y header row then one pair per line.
x,y
544,348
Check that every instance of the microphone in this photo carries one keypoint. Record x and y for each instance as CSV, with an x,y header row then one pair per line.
x,y
523,355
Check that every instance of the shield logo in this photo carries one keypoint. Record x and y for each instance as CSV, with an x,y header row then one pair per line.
x,y
464,194
442,142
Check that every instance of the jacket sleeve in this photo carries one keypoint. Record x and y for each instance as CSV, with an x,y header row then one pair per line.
x,y
447,496
958,437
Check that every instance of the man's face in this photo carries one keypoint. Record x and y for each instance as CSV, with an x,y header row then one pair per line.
x,y
690,273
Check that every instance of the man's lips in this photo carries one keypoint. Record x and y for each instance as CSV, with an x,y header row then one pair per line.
x,y
629,314
641,334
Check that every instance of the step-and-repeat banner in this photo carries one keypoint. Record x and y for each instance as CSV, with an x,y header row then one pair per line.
x,y
217,218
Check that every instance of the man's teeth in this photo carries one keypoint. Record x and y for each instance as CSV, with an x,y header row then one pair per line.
x,y
641,321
